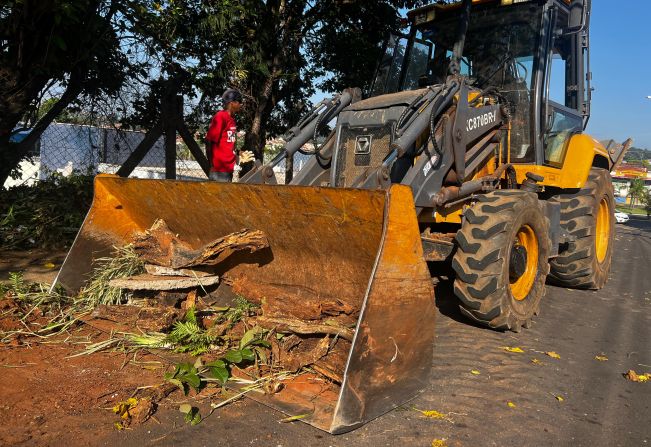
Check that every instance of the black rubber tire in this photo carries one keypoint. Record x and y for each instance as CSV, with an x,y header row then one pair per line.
x,y
577,265
484,251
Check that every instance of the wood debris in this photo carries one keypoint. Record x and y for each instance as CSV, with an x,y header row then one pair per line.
x,y
158,283
160,246
147,319
301,329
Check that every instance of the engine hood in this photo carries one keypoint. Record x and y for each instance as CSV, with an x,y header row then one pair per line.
x,y
385,101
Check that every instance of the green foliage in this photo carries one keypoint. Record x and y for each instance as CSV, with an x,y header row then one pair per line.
x,y
73,45
185,376
192,415
188,336
124,263
55,305
45,215
241,308
636,154
637,190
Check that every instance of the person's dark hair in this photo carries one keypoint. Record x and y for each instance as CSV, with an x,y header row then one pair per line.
x,y
231,95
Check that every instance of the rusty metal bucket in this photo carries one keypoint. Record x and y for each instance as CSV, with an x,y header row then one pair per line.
x,y
358,245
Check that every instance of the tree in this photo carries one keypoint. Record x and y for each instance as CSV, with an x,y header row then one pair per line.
x,y
637,190
49,42
278,52
291,47
646,201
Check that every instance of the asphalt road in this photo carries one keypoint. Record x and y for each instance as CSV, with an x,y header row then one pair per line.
x,y
599,406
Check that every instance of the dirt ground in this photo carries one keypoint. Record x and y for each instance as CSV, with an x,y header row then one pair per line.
x,y
36,265
50,399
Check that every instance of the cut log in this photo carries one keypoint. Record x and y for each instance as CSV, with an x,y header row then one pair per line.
x,y
127,318
303,327
160,246
218,250
160,283
159,270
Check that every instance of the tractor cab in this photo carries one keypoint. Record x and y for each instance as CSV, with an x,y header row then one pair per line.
x,y
532,54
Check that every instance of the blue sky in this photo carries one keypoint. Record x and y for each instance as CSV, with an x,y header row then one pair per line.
x,y
621,70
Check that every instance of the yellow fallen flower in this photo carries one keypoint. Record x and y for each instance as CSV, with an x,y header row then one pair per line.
x,y
635,377
512,349
433,414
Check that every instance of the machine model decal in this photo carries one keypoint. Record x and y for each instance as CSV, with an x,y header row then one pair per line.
x,y
481,121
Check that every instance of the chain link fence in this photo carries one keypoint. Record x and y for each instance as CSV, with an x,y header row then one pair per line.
x,y
67,148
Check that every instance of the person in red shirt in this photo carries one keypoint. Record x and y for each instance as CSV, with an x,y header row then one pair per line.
x,y
220,139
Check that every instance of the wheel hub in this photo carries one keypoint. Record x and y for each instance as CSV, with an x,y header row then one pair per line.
x,y
518,262
523,262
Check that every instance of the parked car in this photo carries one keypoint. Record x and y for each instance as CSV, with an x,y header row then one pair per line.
x,y
621,217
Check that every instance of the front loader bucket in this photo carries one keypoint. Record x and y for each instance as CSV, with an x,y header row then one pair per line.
x,y
359,246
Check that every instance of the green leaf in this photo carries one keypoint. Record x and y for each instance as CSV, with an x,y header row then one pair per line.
x,y
188,417
176,382
196,419
264,343
248,355
233,356
185,368
190,316
193,380
216,364
220,374
249,336
185,408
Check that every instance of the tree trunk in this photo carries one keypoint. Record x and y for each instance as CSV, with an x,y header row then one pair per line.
x,y
256,136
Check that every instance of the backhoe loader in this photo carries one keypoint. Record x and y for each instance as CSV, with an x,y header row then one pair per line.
x,y
468,149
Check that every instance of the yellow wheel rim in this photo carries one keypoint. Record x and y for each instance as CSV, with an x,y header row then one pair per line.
x,y
602,238
526,238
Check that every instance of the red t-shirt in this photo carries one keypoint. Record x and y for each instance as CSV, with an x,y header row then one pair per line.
x,y
221,137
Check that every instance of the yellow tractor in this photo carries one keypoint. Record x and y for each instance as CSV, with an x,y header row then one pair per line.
x,y
469,149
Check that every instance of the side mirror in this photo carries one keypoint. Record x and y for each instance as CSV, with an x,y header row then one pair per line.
x,y
579,13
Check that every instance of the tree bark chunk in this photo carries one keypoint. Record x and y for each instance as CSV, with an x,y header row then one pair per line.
x,y
160,283
220,249
303,327
159,270
160,246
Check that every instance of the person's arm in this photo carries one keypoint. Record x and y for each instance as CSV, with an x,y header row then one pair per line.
x,y
215,129
212,136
